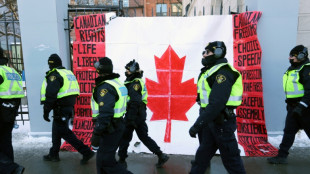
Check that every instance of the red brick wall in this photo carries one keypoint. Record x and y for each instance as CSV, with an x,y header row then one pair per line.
x,y
151,4
135,3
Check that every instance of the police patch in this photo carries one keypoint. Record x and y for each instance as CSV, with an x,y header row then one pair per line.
x,y
220,78
136,87
52,78
103,92
101,104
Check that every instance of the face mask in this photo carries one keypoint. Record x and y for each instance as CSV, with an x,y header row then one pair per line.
x,y
209,60
51,66
204,61
295,63
126,74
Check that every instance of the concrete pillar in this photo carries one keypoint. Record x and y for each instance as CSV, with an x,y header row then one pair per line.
x,y
304,23
277,33
42,30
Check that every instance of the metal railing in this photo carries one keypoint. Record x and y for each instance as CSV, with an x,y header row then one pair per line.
x,y
10,41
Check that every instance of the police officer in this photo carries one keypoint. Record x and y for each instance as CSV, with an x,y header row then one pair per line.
x,y
220,92
58,93
296,85
108,106
11,92
136,115
199,133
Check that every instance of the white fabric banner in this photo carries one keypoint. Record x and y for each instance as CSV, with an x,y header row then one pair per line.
x,y
145,39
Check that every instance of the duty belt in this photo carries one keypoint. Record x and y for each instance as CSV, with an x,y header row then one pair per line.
x,y
229,113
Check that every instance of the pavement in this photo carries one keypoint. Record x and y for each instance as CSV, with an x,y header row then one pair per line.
x,y
143,163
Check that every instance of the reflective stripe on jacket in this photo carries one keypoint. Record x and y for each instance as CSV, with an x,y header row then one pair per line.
x,y
12,86
291,85
121,103
204,89
143,90
70,84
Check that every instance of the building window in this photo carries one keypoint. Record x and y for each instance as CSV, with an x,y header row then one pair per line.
x,y
176,9
116,3
161,9
126,3
84,2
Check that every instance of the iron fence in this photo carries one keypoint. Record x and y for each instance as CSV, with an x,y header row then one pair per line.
x,y
10,42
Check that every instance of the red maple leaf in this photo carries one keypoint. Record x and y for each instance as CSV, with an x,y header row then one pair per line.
x,y
170,98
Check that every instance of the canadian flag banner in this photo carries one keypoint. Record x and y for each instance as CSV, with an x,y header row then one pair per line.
x,y
169,51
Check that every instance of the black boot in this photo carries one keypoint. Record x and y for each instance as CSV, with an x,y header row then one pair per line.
x,y
53,158
162,159
19,170
87,157
122,162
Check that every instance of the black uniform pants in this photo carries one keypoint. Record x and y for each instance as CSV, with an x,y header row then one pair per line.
x,y
222,137
105,160
8,112
7,164
60,129
142,132
292,126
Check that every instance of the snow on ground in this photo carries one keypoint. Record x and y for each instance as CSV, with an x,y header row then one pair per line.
x,y
301,140
21,138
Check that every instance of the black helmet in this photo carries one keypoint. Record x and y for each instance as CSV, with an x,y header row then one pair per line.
x,y
218,48
132,66
54,61
300,51
104,65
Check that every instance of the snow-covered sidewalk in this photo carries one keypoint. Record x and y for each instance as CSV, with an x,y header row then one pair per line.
x,y
22,139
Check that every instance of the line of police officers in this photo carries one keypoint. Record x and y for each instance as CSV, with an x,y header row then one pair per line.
x,y
219,93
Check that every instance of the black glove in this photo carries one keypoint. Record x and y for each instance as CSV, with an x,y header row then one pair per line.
x,y
94,120
193,131
298,110
46,116
131,123
95,141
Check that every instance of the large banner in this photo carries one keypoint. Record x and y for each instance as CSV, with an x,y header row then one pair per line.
x,y
88,48
252,133
169,51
